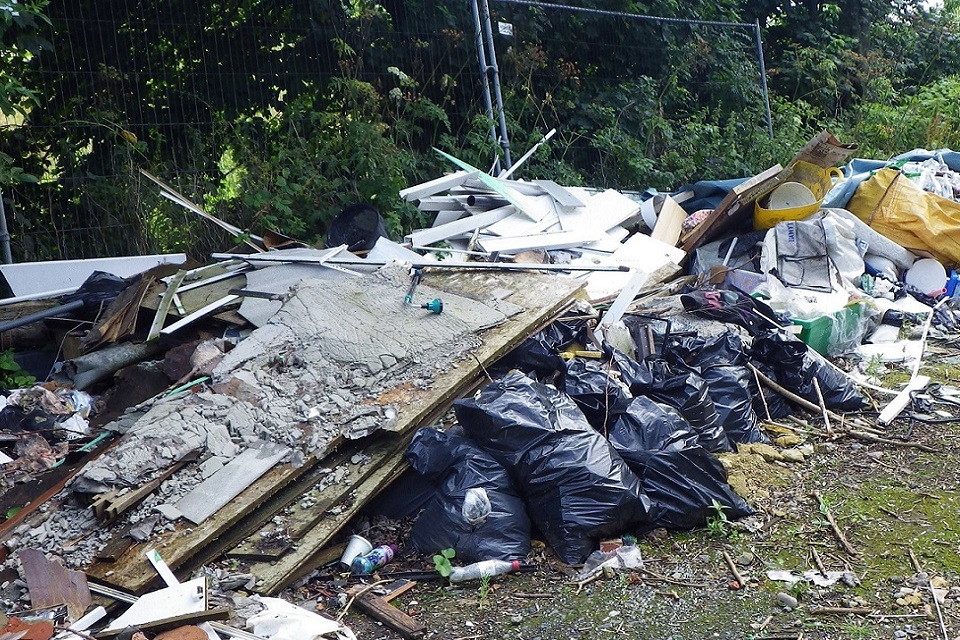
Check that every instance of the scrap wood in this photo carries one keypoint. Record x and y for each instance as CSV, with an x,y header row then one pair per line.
x,y
172,622
826,611
276,576
378,607
825,510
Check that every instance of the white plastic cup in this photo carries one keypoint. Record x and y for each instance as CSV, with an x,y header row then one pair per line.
x,y
356,546
928,276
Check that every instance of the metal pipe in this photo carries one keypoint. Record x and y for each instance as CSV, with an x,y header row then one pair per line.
x,y
40,315
494,72
4,234
484,78
763,76
276,256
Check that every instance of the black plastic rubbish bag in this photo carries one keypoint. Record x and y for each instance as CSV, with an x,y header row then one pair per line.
x,y
730,390
540,353
358,226
689,394
768,400
636,375
475,509
685,484
576,487
596,392
733,306
796,366
720,362
646,427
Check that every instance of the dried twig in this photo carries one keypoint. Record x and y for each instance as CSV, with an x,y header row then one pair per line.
x,y
817,561
733,569
869,437
833,525
790,395
825,611
933,594
357,594
823,407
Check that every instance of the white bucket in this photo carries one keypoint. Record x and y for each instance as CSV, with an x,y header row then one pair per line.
x,y
928,276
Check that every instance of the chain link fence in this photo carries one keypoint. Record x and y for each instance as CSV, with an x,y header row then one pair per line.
x,y
225,104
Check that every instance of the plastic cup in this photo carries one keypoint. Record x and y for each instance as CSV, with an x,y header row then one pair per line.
x,y
356,546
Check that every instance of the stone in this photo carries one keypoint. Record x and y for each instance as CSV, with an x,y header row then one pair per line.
x,y
745,559
168,511
792,455
787,601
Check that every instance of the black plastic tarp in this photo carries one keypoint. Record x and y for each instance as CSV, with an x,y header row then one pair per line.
x,y
795,367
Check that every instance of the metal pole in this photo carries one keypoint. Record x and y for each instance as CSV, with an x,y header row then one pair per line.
x,y
494,71
4,234
484,78
763,76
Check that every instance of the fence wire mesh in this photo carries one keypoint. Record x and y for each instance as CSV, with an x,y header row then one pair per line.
x,y
222,100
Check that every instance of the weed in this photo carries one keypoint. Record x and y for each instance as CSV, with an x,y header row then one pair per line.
x,y
12,375
483,591
799,589
441,562
718,525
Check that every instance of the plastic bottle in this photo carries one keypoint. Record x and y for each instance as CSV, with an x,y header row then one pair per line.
x,y
477,570
366,564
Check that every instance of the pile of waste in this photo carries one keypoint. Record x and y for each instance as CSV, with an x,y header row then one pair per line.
x,y
543,363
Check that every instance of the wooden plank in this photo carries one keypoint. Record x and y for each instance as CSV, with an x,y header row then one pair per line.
x,y
51,584
669,222
379,609
172,622
273,577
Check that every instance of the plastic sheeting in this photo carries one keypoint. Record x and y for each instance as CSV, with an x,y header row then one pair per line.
x,y
795,367
576,486
493,525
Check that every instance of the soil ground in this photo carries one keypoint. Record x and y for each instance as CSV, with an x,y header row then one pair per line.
x,y
889,501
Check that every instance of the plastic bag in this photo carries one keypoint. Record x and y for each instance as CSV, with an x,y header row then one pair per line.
x,y
731,391
795,366
685,484
626,557
475,509
358,226
575,485
596,392
540,354
645,427
734,307
689,394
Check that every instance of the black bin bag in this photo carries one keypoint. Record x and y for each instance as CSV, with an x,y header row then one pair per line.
x,y
576,487
689,394
540,353
599,395
645,427
796,366
720,361
475,509
685,484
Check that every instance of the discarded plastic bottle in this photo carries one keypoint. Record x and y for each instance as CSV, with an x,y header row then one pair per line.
x,y
366,564
477,570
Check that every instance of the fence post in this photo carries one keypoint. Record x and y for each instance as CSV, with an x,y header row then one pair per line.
x,y
4,234
484,78
491,69
763,76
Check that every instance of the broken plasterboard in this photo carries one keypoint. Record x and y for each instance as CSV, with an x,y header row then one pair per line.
x,y
31,278
227,483
188,597
604,211
659,260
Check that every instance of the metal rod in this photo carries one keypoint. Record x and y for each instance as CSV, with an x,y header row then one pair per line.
x,y
4,234
427,264
494,72
763,76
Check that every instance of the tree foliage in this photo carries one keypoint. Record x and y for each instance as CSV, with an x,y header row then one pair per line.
x,y
275,114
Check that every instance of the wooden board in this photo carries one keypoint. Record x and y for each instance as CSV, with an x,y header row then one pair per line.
x,y
541,297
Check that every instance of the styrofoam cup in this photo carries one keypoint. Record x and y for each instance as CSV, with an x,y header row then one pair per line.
x,y
356,546
928,276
